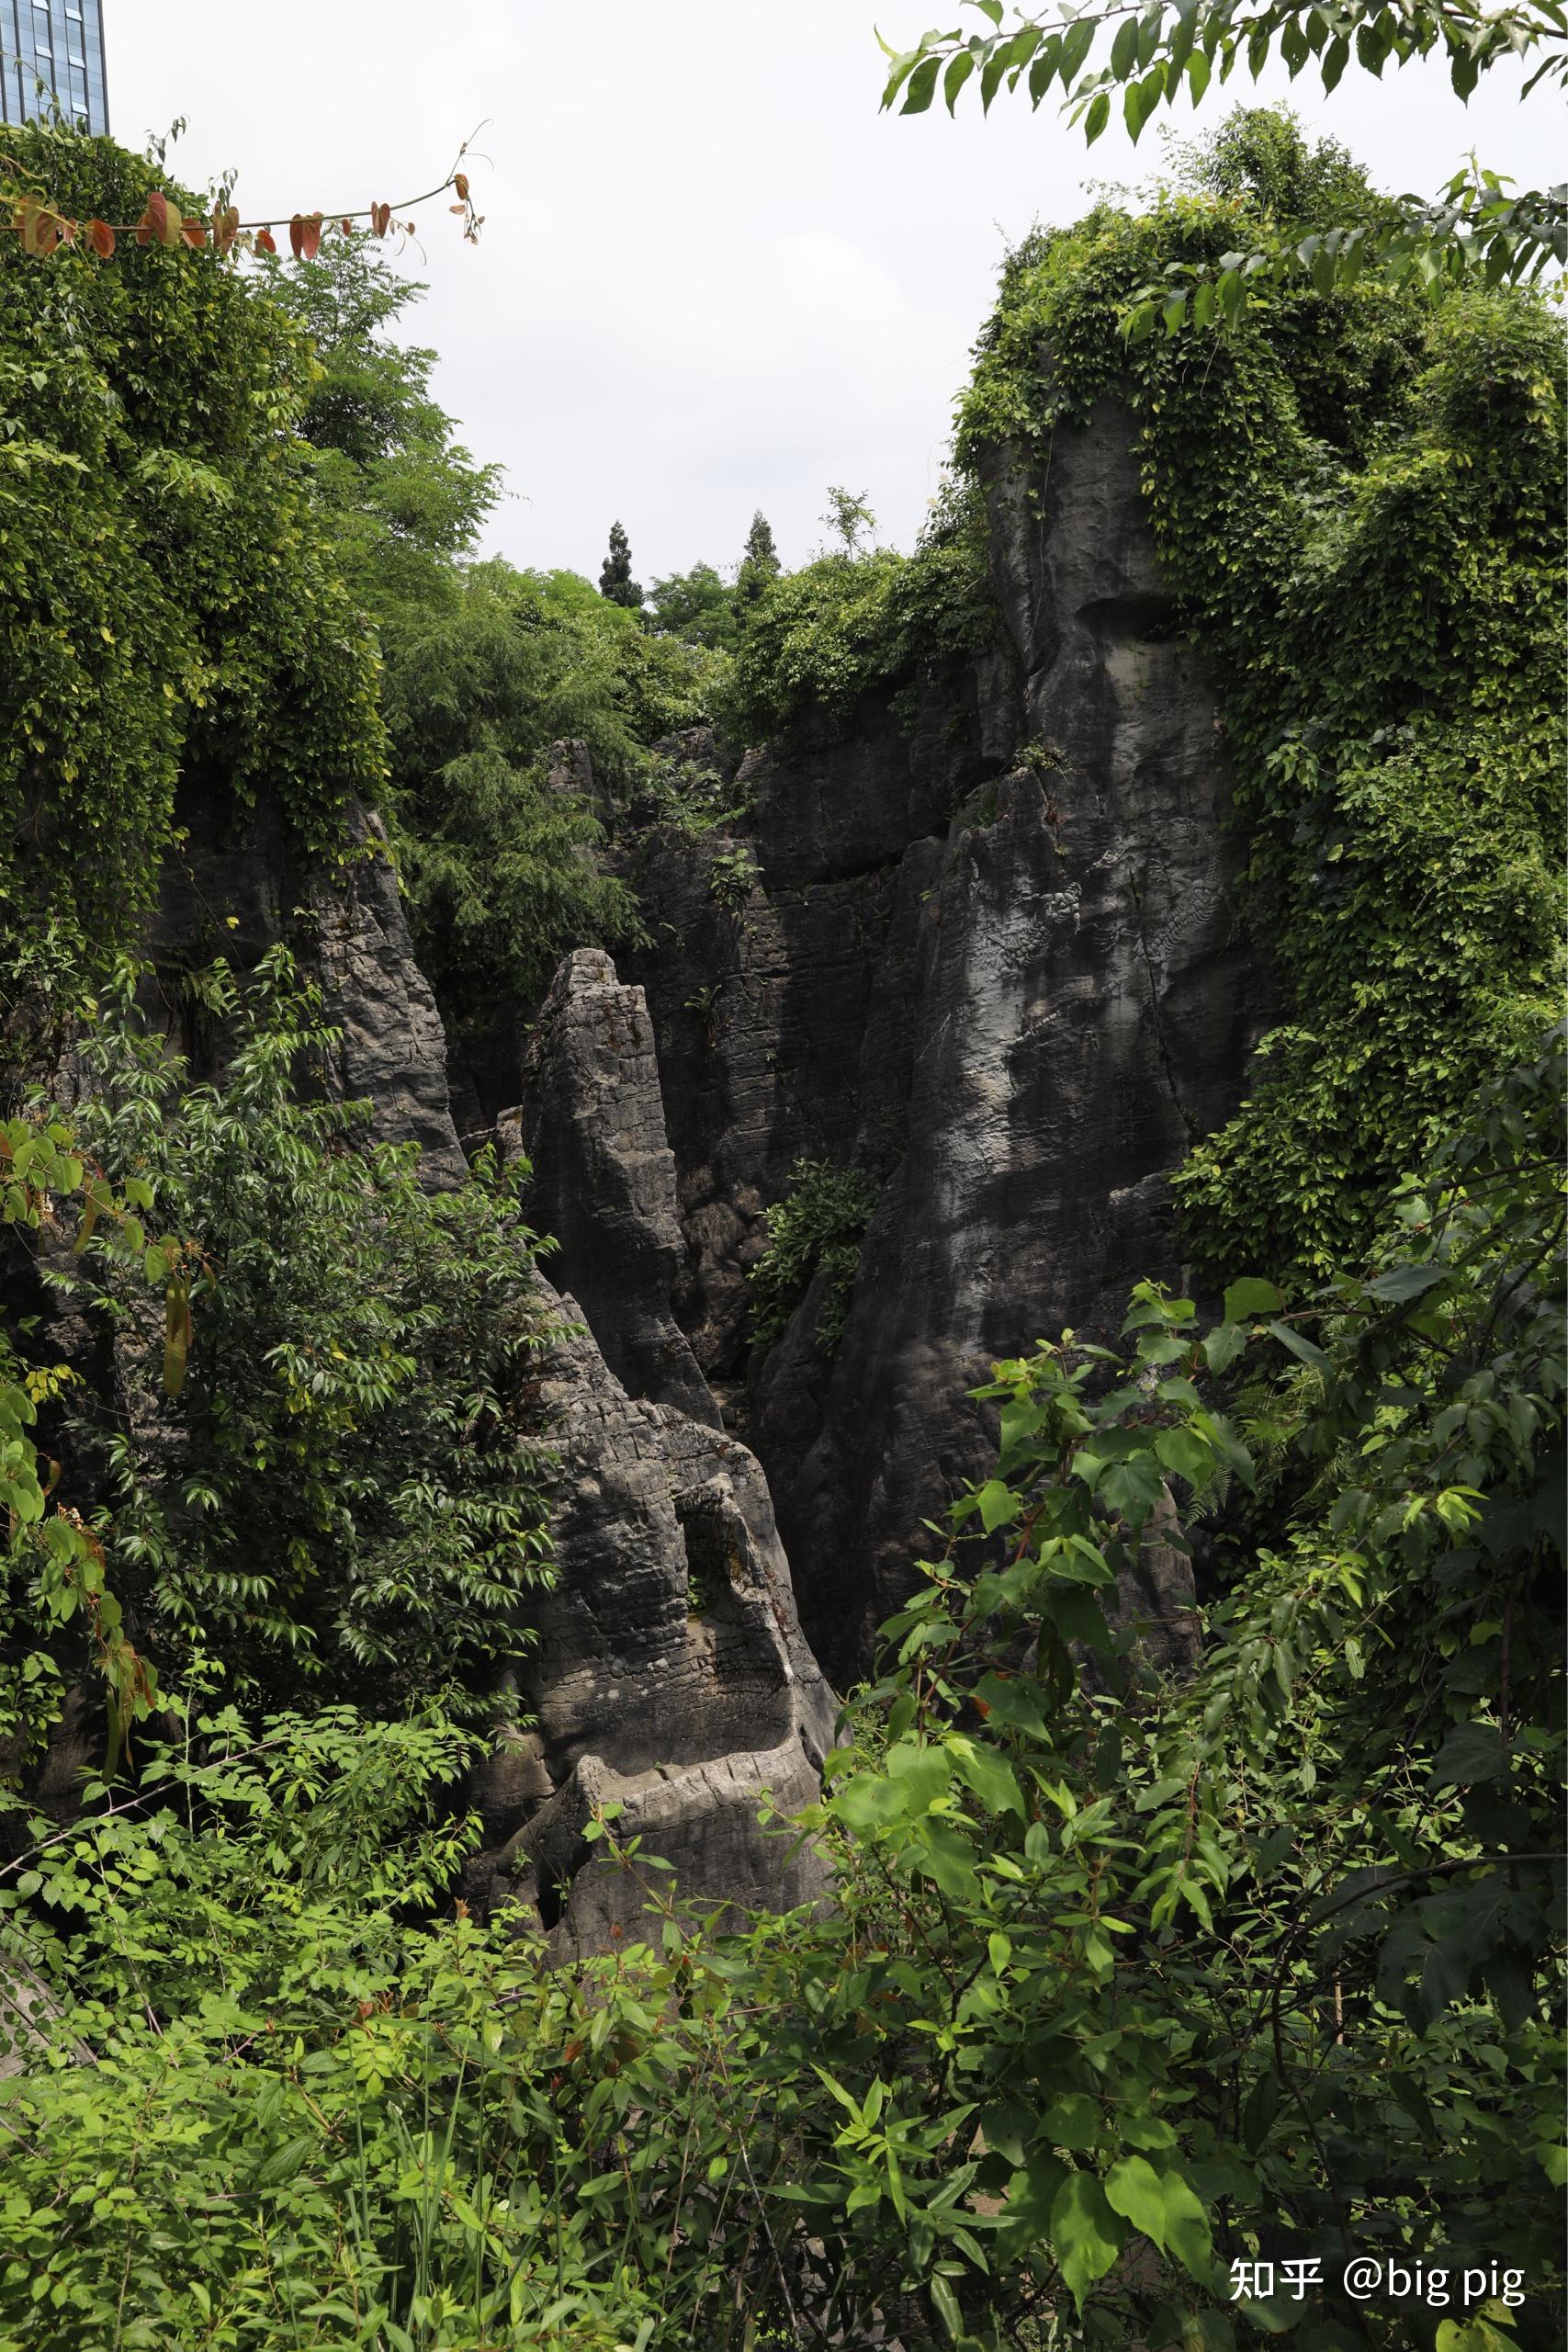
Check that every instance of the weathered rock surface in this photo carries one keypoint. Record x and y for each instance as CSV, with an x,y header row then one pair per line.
x,y
669,1670
992,959
591,1123
669,1674
238,888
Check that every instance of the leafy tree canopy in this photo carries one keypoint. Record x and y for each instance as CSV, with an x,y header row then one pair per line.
x,y
1146,56
697,607
170,595
615,582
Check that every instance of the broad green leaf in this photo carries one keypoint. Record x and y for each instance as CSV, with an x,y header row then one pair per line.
x,y
1249,1298
1187,1455
1304,1349
1086,2235
1186,2233
999,1504
1471,1752
1400,1284
1134,2190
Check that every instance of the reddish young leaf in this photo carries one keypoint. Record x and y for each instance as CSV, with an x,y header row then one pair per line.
x,y
311,237
40,228
101,237
265,242
380,217
460,181
153,226
225,225
348,226
193,231
297,236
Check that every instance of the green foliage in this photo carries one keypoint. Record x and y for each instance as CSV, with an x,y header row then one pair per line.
x,y
1125,1984
823,636
816,1228
492,861
1474,227
405,501
696,606
342,1489
615,583
54,1589
1268,1958
171,605
760,565
684,793
733,875
1356,499
849,518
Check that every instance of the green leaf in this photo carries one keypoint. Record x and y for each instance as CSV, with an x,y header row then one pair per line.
x,y
1073,2121
1125,48
1134,2190
1098,116
944,1856
998,1503
1471,1753
1304,1349
988,1774
1402,1283
1086,2235
958,72
1078,1617
1251,1298
1186,2233
946,2303
1223,1345
922,86
1011,1699
1187,1455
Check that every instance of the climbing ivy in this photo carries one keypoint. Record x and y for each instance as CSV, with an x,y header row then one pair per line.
x,y
171,607
1357,500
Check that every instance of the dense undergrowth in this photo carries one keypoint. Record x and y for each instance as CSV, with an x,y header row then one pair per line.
x,y
1126,1980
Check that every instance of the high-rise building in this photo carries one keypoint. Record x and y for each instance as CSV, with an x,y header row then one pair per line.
x,y
51,56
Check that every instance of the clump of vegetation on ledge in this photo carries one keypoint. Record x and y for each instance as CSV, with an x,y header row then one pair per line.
x,y
819,637
816,1228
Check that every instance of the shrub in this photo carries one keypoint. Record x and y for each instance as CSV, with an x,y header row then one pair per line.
x,y
818,639
345,1489
818,1228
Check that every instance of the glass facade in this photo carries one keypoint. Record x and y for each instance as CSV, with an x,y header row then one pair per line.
x,y
51,55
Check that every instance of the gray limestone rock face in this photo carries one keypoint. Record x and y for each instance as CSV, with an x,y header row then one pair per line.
x,y
993,959
236,888
592,1123
667,1673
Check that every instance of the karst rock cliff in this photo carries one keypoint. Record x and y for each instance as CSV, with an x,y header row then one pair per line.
x,y
992,958
988,954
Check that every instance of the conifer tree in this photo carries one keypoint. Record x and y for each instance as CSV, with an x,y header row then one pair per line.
x,y
615,582
760,564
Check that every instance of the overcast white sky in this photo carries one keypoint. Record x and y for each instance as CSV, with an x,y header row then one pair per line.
x,y
712,277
